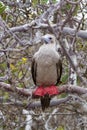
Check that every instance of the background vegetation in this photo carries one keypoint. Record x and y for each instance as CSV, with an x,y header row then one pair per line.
x,y
22,23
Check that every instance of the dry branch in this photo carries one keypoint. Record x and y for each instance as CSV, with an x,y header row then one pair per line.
x,y
20,91
52,103
28,92
66,30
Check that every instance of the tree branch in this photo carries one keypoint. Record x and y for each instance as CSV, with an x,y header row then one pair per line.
x,y
28,92
52,103
66,30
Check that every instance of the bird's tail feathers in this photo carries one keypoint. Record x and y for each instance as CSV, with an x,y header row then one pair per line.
x,y
45,101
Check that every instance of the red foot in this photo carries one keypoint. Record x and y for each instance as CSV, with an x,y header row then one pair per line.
x,y
41,91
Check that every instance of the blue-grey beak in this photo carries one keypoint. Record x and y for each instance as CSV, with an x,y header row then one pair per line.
x,y
45,39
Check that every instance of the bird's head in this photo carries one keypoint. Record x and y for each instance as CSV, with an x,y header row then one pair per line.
x,y
49,39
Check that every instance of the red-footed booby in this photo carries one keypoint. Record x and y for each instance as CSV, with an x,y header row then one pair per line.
x,y
46,70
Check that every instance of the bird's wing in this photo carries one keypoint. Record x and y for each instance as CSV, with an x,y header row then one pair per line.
x,y
34,69
59,70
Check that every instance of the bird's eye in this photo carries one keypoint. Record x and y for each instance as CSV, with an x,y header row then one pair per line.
x,y
50,38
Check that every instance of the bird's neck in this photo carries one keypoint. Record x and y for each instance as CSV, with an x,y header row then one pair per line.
x,y
50,45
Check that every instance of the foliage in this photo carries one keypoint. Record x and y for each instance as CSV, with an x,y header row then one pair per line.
x,y
18,43
2,7
60,128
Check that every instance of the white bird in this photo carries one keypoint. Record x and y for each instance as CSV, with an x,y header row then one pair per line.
x,y
46,70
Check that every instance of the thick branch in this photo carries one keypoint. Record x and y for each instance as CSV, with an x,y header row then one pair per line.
x,y
72,89
20,91
69,31
66,30
28,92
52,103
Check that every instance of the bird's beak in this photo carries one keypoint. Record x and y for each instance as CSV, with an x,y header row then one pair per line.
x,y
45,39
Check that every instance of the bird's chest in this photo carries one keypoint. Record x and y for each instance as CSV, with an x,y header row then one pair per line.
x,y
46,58
46,68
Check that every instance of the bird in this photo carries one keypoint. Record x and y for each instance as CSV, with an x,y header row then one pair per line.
x,y
46,69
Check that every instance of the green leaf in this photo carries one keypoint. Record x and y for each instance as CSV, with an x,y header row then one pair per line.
x,y
65,78
6,96
44,1
2,7
35,2
20,74
60,128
